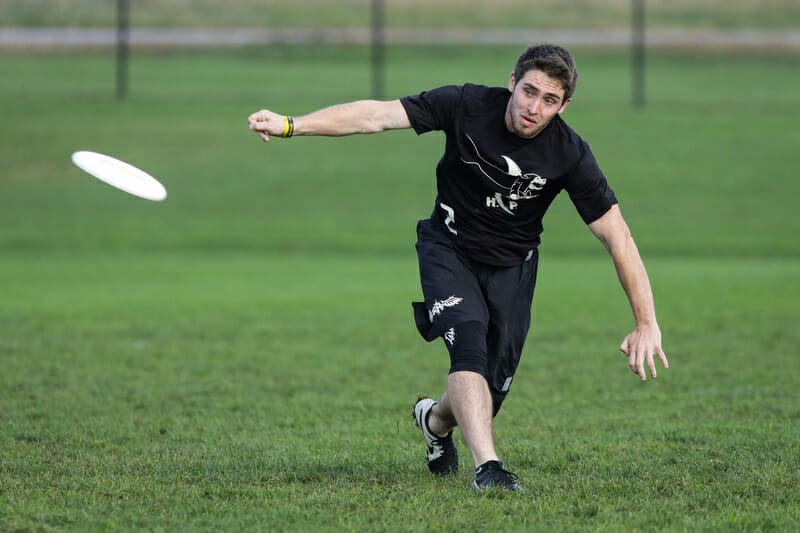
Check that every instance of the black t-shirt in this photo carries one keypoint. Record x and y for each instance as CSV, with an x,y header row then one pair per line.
x,y
494,186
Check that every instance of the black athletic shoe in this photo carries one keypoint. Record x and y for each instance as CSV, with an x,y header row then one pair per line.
x,y
493,474
442,451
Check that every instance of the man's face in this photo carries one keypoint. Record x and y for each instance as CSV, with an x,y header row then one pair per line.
x,y
535,99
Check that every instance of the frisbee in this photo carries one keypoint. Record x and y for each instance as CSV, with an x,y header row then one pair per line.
x,y
120,174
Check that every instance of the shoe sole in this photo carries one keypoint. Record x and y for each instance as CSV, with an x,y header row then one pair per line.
x,y
483,488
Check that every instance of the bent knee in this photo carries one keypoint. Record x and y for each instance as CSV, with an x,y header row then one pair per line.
x,y
466,343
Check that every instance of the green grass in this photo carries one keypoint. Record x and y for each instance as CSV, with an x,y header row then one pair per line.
x,y
242,356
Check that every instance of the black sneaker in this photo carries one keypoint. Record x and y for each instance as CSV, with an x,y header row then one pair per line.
x,y
492,474
442,451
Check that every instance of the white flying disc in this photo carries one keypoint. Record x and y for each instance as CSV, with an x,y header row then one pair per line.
x,y
120,174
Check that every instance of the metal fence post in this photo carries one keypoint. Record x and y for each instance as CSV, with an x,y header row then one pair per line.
x,y
123,35
638,53
378,48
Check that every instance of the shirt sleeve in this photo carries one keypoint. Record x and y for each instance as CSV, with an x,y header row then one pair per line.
x,y
432,110
588,189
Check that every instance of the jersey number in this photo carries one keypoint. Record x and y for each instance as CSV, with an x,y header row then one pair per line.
x,y
450,218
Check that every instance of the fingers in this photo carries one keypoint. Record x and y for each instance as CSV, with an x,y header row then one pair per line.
x,y
259,123
636,362
258,116
261,133
634,359
624,348
641,356
663,357
651,365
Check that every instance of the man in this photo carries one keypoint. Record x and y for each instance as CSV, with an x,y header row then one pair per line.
x,y
508,154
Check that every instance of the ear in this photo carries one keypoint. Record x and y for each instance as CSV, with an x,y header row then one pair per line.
x,y
564,106
511,83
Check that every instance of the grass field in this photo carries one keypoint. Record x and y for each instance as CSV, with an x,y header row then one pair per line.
x,y
242,356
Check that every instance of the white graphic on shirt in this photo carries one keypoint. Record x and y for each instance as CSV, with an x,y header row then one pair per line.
x,y
450,336
526,186
497,201
439,306
450,218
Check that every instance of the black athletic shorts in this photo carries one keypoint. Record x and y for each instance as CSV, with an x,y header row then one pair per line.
x,y
482,312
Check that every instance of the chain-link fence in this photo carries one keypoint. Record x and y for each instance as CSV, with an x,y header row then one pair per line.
x,y
733,25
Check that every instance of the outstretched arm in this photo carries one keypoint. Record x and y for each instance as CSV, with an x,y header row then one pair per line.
x,y
645,341
363,116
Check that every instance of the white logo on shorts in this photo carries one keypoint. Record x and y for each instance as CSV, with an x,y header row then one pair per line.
x,y
450,336
438,306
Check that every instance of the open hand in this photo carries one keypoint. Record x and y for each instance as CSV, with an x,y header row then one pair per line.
x,y
640,347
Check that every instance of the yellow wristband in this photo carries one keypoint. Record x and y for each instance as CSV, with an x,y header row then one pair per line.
x,y
288,127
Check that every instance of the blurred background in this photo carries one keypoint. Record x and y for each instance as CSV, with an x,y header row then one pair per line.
x,y
768,15
668,59
638,24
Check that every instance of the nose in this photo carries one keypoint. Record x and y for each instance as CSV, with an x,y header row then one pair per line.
x,y
533,106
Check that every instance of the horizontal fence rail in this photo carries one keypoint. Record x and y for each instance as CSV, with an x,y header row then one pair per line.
x,y
17,37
